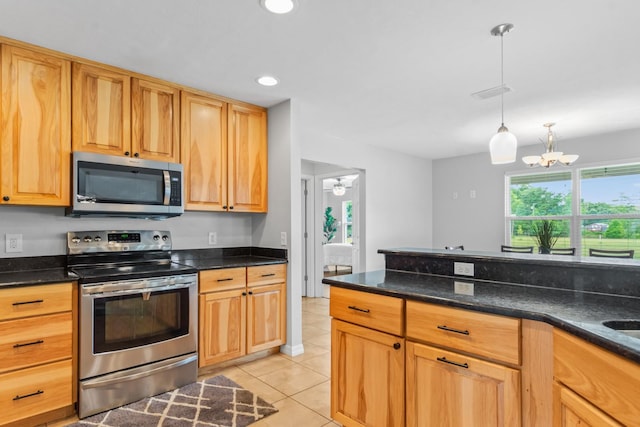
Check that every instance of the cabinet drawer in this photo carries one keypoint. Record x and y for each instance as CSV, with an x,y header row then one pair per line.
x,y
223,279
33,391
266,274
370,310
35,300
35,340
605,379
487,335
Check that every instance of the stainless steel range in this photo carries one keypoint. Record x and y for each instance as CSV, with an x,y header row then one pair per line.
x,y
138,317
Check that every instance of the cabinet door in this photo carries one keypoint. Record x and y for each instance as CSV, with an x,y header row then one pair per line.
x,y
155,121
247,159
266,317
446,388
36,128
101,110
222,331
367,376
572,411
204,152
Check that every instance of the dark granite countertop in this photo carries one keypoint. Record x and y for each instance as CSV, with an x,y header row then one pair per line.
x,y
25,271
580,313
226,262
35,277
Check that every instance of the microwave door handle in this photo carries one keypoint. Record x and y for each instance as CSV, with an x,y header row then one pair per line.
x,y
167,188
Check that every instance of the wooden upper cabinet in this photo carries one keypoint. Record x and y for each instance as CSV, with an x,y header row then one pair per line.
x,y
247,159
155,121
35,143
101,110
204,151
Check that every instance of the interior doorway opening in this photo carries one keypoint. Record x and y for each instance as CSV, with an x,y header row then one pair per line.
x,y
333,211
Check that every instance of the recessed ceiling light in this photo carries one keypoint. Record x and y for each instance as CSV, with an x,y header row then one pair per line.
x,y
267,81
278,6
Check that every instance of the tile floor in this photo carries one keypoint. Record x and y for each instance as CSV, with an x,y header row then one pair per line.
x,y
298,386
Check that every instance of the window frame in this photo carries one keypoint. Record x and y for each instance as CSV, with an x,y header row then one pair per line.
x,y
577,217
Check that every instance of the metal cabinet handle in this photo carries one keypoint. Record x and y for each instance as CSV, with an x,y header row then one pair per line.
x,y
457,331
268,274
6,198
28,343
396,346
250,292
244,294
363,310
136,155
18,397
225,279
450,362
230,207
126,153
28,302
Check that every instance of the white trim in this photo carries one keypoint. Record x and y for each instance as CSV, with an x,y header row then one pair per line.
x,y
292,351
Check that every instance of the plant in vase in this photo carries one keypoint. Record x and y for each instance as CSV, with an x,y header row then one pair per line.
x,y
546,235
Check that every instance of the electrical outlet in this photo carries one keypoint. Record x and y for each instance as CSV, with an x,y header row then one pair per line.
x,y
463,288
463,268
13,242
213,238
283,238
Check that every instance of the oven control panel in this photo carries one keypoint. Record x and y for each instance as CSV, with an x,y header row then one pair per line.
x,y
81,242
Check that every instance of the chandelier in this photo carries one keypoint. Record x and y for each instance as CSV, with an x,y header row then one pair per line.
x,y
550,157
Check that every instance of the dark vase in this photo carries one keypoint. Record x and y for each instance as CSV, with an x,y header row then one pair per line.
x,y
545,250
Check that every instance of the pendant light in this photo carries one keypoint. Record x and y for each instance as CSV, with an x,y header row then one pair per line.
x,y
339,189
504,144
550,157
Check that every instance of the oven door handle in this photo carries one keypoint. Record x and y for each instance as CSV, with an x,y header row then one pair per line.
x,y
98,293
119,378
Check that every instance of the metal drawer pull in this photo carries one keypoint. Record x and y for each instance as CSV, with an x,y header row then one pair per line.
x,y
18,397
268,274
363,310
457,331
225,280
29,302
28,343
444,359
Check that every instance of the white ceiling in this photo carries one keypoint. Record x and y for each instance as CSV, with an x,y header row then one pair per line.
x,y
395,74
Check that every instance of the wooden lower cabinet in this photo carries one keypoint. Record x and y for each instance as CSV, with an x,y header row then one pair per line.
x,y
38,343
242,311
448,389
593,384
574,411
367,376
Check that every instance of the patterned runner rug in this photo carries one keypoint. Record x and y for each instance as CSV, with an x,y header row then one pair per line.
x,y
217,402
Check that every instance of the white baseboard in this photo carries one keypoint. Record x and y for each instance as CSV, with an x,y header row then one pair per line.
x,y
296,350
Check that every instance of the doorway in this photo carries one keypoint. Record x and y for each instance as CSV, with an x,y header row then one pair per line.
x,y
333,240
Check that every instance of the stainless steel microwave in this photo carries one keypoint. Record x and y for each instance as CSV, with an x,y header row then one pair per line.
x,y
105,185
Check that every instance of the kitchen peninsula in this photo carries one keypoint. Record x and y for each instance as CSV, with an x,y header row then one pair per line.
x,y
486,339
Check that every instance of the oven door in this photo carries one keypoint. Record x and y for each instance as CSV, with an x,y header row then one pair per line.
x,y
121,327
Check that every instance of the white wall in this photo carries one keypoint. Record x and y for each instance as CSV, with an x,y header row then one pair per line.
x,y
284,214
398,193
478,223
44,229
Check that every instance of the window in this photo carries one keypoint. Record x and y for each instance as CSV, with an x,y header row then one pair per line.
x,y
347,221
595,207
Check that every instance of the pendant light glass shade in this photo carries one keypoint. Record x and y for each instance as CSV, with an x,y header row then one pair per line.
x,y
503,145
339,189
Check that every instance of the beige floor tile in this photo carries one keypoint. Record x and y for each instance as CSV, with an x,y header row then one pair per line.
x,y
322,340
317,398
252,384
292,414
313,318
266,365
293,379
310,351
320,364
332,424
311,331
